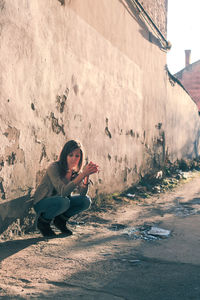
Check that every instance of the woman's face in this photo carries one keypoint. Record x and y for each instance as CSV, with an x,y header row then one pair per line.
x,y
73,159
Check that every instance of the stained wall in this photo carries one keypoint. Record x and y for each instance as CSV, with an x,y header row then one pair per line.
x,y
92,71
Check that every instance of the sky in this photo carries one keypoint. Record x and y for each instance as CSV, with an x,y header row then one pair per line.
x,y
183,32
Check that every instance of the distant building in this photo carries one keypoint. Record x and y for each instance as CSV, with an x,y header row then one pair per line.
x,y
190,78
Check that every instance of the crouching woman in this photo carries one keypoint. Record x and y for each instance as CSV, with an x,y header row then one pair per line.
x,y
53,199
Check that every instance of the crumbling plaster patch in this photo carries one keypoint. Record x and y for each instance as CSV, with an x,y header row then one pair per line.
x,y
2,5
12,163
13,153
12,134
61,100
44,149
107,131
1,162
39,176
56,127
43,153
62,2
2,192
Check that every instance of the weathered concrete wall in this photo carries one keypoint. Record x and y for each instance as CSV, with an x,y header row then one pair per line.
x,y
182,123
85,70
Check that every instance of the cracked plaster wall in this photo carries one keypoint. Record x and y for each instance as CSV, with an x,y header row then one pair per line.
x,y
86,72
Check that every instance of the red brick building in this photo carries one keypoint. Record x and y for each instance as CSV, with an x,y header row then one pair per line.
x,y
190,78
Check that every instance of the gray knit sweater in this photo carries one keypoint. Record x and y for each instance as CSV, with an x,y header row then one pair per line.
x,y
52,182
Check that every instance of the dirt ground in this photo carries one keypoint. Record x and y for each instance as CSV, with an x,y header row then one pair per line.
x,y
111,255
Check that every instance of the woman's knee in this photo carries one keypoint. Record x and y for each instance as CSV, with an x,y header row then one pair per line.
x,y
55,203
87,202
63,203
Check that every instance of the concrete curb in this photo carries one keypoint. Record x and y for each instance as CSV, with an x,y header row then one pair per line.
x,y
13,209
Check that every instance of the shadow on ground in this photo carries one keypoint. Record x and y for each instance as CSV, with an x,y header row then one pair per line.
x,y
9,248
120,279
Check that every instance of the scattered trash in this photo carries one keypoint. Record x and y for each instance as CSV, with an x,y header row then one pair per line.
x,y
161,181
184,175
134,261
141,188
146,232
159,175
159,232
156,189
130,195
130,231
183,211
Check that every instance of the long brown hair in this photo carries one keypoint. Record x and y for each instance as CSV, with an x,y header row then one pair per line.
x,y
67,149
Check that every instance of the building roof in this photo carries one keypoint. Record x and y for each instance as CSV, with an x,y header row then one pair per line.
x,y
187,68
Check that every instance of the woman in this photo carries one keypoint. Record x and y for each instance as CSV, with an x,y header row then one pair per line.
x,y
53,199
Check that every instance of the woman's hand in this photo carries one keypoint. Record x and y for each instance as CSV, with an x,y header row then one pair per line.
x,y
90,168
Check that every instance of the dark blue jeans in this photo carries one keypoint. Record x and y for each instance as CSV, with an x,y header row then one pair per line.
x,y
56,205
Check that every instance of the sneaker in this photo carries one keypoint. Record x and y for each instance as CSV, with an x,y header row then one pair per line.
x,y
43,226
60,223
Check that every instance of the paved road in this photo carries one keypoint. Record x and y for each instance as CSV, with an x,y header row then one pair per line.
x,y
111,256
